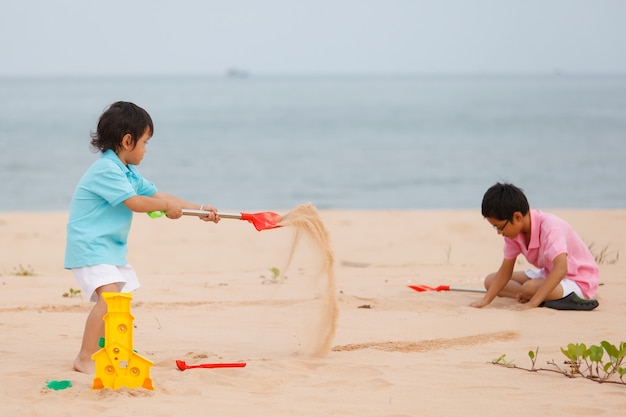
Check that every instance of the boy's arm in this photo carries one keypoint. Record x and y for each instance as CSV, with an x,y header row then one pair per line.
x,y
212,215
144,204
179,201
172,206
501,279
559,270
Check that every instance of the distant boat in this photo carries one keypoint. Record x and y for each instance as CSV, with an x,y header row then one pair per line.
x,y
237,73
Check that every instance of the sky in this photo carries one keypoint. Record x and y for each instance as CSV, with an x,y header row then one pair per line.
x,y
156,37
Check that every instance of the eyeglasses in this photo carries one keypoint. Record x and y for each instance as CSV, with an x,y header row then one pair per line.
x,y
501,229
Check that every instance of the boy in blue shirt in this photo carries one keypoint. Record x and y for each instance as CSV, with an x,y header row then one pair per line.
x,y
101,212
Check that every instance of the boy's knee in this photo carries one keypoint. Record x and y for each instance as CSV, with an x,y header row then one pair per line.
x,y
529,288
489,280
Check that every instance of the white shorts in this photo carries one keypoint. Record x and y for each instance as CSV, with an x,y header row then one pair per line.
x,y
567,284
90,278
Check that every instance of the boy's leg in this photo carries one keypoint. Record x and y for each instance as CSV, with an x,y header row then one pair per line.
x,y
513,288
537,279
532,285
94,330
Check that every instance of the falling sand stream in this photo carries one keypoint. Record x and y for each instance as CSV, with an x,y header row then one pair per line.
x,y
306,220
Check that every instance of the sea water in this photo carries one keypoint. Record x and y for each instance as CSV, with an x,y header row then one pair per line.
x,y
339,142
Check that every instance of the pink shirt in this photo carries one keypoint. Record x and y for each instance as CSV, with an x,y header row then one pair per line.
x,y
551,236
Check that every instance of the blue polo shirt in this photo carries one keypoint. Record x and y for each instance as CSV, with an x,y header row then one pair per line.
x,y
99,222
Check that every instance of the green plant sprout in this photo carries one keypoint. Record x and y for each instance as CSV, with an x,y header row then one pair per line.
x,y
275,278
503,362
602,363
71,293
533,357
23,271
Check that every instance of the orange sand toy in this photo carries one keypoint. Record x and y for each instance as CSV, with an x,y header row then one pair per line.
x,y
117,364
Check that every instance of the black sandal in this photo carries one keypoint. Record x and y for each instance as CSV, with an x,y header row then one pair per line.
x,y
571,302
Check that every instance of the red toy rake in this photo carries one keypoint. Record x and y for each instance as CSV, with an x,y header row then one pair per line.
x,y
424,288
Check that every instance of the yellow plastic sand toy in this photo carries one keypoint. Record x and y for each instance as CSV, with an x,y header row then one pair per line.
x,y
117,364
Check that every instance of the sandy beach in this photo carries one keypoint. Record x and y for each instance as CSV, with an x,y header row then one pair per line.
x,y
208,296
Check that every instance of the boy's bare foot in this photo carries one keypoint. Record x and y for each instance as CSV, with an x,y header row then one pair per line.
x,y
521,299
87,367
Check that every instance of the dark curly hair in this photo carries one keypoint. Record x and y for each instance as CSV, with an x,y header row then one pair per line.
x,y
501,201
119,119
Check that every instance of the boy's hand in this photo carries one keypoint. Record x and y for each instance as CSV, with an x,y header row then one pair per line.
x,y
479,304
212,216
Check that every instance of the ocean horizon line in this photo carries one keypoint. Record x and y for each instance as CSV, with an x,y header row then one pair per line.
x,y
249,74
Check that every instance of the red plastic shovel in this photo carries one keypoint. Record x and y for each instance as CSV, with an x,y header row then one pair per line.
x,y
261,221
423,288
183,366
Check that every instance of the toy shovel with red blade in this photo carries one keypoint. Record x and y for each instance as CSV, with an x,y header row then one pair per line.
x,y
183,366
261,221
423,288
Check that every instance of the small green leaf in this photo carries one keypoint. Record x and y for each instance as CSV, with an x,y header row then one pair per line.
x,y
566,353
500,359
571,352
610,349
595,353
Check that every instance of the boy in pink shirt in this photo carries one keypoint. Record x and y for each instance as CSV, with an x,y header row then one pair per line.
x,y
568,275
